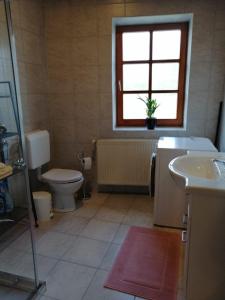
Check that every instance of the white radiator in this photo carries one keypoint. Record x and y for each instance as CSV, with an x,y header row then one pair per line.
x,y
124,161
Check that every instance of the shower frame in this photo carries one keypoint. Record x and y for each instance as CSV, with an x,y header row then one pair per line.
x,y
34,286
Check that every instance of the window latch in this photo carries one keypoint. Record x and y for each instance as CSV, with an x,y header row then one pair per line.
x,y
119,85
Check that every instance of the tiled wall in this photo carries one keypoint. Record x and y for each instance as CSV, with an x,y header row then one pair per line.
x,y
64,53
78,38
6,74
28,24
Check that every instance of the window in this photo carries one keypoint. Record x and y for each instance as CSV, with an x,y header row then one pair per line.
x,y
151,61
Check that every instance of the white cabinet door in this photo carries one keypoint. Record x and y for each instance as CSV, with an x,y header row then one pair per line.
x,y
206,248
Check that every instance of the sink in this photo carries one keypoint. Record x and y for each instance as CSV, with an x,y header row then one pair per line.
x,y
201,167
199,171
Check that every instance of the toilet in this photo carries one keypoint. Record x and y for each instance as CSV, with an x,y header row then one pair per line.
x,y
63,183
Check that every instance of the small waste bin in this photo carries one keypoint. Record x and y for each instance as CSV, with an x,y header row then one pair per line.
x,y
43,205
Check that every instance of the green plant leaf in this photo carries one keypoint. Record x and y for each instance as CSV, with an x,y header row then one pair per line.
x,y
151,106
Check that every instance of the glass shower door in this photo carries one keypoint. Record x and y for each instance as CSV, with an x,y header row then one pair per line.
x,y
18,266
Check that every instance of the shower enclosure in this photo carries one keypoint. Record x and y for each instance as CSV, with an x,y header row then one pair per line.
x,y
18,265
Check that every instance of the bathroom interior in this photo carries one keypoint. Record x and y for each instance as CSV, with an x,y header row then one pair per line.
x,y
62,134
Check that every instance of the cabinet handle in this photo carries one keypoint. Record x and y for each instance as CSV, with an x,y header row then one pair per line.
x,y
184,236
184,219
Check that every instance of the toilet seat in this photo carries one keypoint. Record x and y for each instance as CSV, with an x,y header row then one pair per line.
x,y
62,176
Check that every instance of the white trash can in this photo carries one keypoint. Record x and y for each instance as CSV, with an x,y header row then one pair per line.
x,y
43,205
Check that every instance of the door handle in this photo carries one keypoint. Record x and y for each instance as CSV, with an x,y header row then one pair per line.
x,y
184,236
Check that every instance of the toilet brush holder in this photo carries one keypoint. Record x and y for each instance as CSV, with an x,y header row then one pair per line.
x,y
86,164
86,193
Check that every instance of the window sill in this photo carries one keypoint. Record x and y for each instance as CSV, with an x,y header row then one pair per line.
x,y
146,130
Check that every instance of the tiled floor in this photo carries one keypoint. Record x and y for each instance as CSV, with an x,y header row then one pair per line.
x,y
75,251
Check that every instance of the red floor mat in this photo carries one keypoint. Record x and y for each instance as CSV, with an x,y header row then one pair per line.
x,y
147,264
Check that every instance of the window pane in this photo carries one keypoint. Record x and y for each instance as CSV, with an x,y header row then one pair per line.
x,y
136,45
166,44
134,108
167,105
165,76
135,77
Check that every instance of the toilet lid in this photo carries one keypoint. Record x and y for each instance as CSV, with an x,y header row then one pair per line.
x,y
62,175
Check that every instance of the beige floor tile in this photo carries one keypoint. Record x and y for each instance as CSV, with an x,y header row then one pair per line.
x,y
21,263
143,197
143,203
54,244
121,234
119,201
23,242
92,204
87,252
98,198
100,230
88,210
69,281
111,214
138,218
110,257
71,224
10,260
13,234
96,291
49,225
57,239
44,264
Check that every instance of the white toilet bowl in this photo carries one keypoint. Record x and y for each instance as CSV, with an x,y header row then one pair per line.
x,y
64,184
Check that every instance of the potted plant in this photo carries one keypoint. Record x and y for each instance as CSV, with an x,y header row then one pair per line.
x,y
151,106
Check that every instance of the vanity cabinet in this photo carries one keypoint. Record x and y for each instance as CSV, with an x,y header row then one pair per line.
x,y
169,202
205,246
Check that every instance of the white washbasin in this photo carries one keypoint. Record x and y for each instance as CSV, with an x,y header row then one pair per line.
x,y
201,167
200,170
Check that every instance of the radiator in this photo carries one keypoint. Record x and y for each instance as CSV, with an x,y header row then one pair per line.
x,y
124,161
